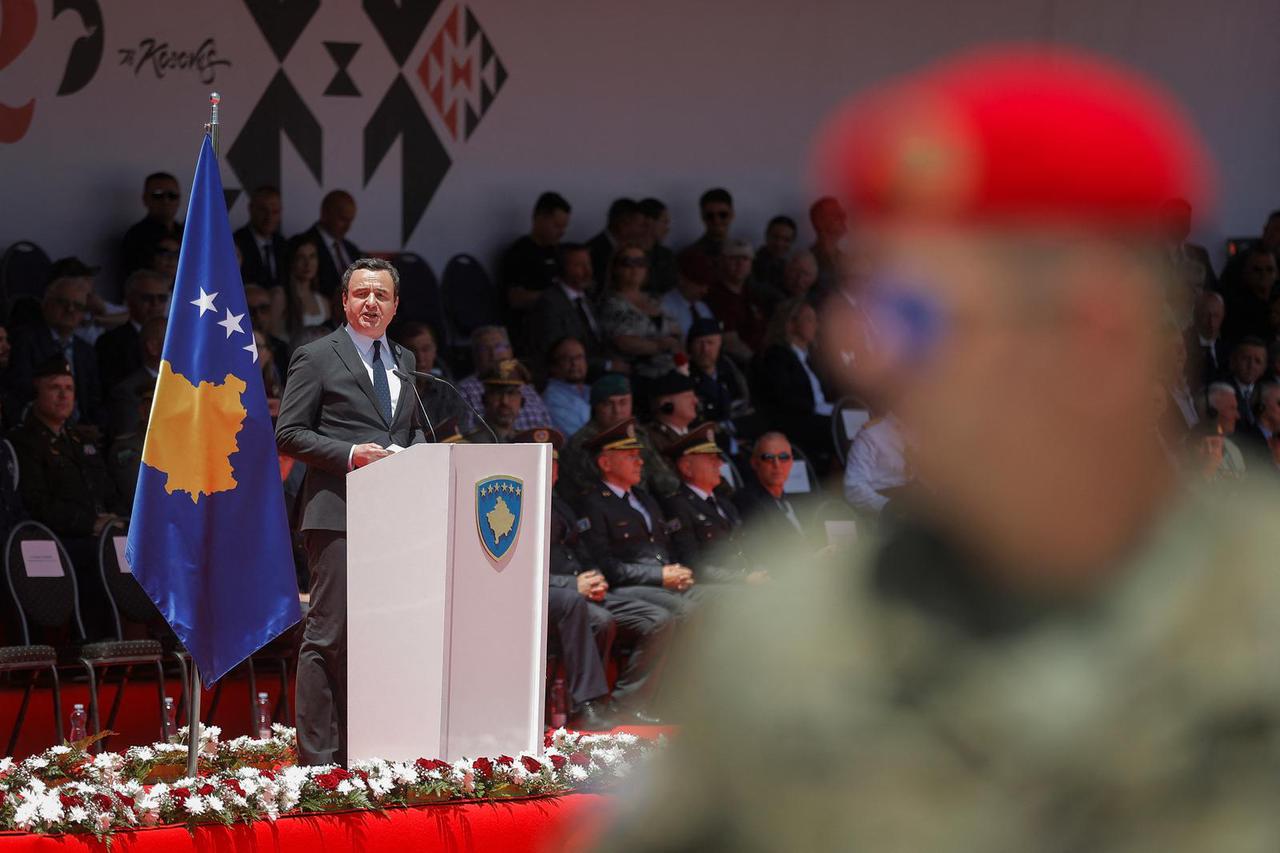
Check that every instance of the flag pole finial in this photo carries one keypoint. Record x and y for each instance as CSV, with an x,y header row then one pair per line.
x,y
212,127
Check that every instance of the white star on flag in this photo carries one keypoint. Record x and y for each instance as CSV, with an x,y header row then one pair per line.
x,y
205,302
252,349
232,323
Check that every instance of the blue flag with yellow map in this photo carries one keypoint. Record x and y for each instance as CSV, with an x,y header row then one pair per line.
x,y
209,540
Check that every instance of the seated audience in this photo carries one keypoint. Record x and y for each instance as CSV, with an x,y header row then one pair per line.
x,y
490,345
675,408
799,274
335,252
719,384
611,404
626,535
146,294
567,395
531,264
160,196
636,329
701,259
877,465
625,225
1207,352
686,303
1269,240
299,303
731,301
503,384
263,250
707,528
762,501
1248,364
438,399
662,261
565,311
787,388
124,399
65,300
1215,460
124,456
1256,440
771,259
10,405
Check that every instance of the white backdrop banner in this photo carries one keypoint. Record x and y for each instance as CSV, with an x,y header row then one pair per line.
x,y
445,118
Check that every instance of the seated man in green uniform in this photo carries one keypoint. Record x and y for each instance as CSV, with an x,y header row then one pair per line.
x,y
1059,647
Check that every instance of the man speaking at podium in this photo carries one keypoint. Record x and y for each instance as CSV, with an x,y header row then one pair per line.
x,y
343,408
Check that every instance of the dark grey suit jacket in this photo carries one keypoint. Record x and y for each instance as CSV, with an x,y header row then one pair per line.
x,y
328,406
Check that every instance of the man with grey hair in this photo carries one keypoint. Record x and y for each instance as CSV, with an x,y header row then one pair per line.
x,y
1224,407
146,295
1206,351
1256,440
343,408
490,345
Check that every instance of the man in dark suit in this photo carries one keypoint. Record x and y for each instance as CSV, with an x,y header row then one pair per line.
x,y
565,311
263,251
1191,261
707,527
762,500
1248,364
626,534
1206,351
160,196
342,409
337,212
65,300
146,294
625,224
1255,440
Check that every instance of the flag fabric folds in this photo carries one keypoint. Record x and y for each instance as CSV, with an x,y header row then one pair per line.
x,y
209,540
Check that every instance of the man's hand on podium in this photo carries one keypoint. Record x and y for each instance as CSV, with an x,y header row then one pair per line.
x,y
363,454
592,585
677,577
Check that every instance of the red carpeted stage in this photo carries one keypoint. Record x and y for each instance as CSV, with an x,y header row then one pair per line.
x,y
535,824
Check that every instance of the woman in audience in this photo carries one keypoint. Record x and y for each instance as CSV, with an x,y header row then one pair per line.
x,y
298,305
787,388
637,329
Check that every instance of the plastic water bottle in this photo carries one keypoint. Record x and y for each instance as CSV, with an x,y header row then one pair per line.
x,y
262,717
170,720
78,719
559,703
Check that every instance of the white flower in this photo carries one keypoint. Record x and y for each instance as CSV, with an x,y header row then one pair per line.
x,y
193,805
77,814
61,749
104,821
50,807
141,753
578,773
345,787
215,803
37,762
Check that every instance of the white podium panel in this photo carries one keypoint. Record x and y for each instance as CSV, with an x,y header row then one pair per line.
x,y
446,601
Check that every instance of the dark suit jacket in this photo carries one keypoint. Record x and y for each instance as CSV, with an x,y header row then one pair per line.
x,y
329,406
759,509
1201,369
555,317
569,556
705,540
601,249
118,354
124,400
328,276
252,269
37,346
618,541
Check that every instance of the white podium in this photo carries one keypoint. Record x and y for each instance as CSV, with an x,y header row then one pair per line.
x,y
447,550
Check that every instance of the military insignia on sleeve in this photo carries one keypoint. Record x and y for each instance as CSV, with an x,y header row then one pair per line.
x,y
583,525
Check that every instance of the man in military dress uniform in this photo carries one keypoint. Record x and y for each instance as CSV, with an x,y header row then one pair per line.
x,y
1059,648
625,533
64,483
707,529
675,408
645,626
503,399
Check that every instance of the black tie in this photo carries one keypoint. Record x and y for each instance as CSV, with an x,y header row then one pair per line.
x,y
381,389
715,507
341,256
587,320
266,261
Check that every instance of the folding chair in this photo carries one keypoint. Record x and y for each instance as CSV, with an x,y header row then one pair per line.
x,y
24,268
847,417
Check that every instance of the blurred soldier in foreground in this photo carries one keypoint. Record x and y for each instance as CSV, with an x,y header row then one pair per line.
x,y
1063,649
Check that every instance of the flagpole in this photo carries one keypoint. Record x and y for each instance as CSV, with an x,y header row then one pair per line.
x,y
193,710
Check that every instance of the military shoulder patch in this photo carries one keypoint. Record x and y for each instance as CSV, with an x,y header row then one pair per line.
x,y
583,525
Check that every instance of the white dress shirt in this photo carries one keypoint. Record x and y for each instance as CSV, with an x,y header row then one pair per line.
x,y
820,404
877,462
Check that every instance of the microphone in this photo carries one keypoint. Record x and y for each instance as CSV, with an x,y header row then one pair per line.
x,y
459,394
414,385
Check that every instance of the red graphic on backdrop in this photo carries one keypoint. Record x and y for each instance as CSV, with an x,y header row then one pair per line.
x,y
462,73
17,29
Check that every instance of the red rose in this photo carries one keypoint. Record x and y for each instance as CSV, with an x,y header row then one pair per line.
x,y
70,800
483,768
234,785
126,799
341,773
268,774
558,761
506,760
531,764
179,793
102,801
327,781
580,759
206,789
429,764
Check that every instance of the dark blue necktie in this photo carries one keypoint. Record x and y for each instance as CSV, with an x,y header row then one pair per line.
x,y
381,389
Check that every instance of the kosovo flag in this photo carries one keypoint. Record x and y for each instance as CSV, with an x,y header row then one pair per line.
x,y
209,540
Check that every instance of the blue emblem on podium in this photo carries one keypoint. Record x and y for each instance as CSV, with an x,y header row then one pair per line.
x,y
499,501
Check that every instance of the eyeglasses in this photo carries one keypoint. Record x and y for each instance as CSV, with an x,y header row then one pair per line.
x,y
775,457
631,261
167,195
716,214
73,304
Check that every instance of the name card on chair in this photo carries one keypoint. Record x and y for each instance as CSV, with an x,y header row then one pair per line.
x,y
120,542
853,419
798,480
40,559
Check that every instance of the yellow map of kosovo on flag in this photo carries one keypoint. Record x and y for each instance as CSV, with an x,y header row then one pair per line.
x,y
193,432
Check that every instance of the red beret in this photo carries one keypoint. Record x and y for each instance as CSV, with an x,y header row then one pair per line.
x,y
1019,135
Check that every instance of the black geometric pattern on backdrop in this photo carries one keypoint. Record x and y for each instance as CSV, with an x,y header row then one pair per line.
x,y
255,154
282,21
86,51
342,53
400,23
423,159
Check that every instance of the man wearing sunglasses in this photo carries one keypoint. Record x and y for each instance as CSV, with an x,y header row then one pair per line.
x,y
763,502
700,260
161,197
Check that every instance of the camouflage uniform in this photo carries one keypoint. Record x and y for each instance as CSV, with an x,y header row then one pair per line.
x,y
903,704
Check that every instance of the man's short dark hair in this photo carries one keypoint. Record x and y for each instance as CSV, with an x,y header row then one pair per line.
x,y
1249,341
715,195
555,347
652,208
564,250
782,220
375,264
265,189
158,176
621,209
550,202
